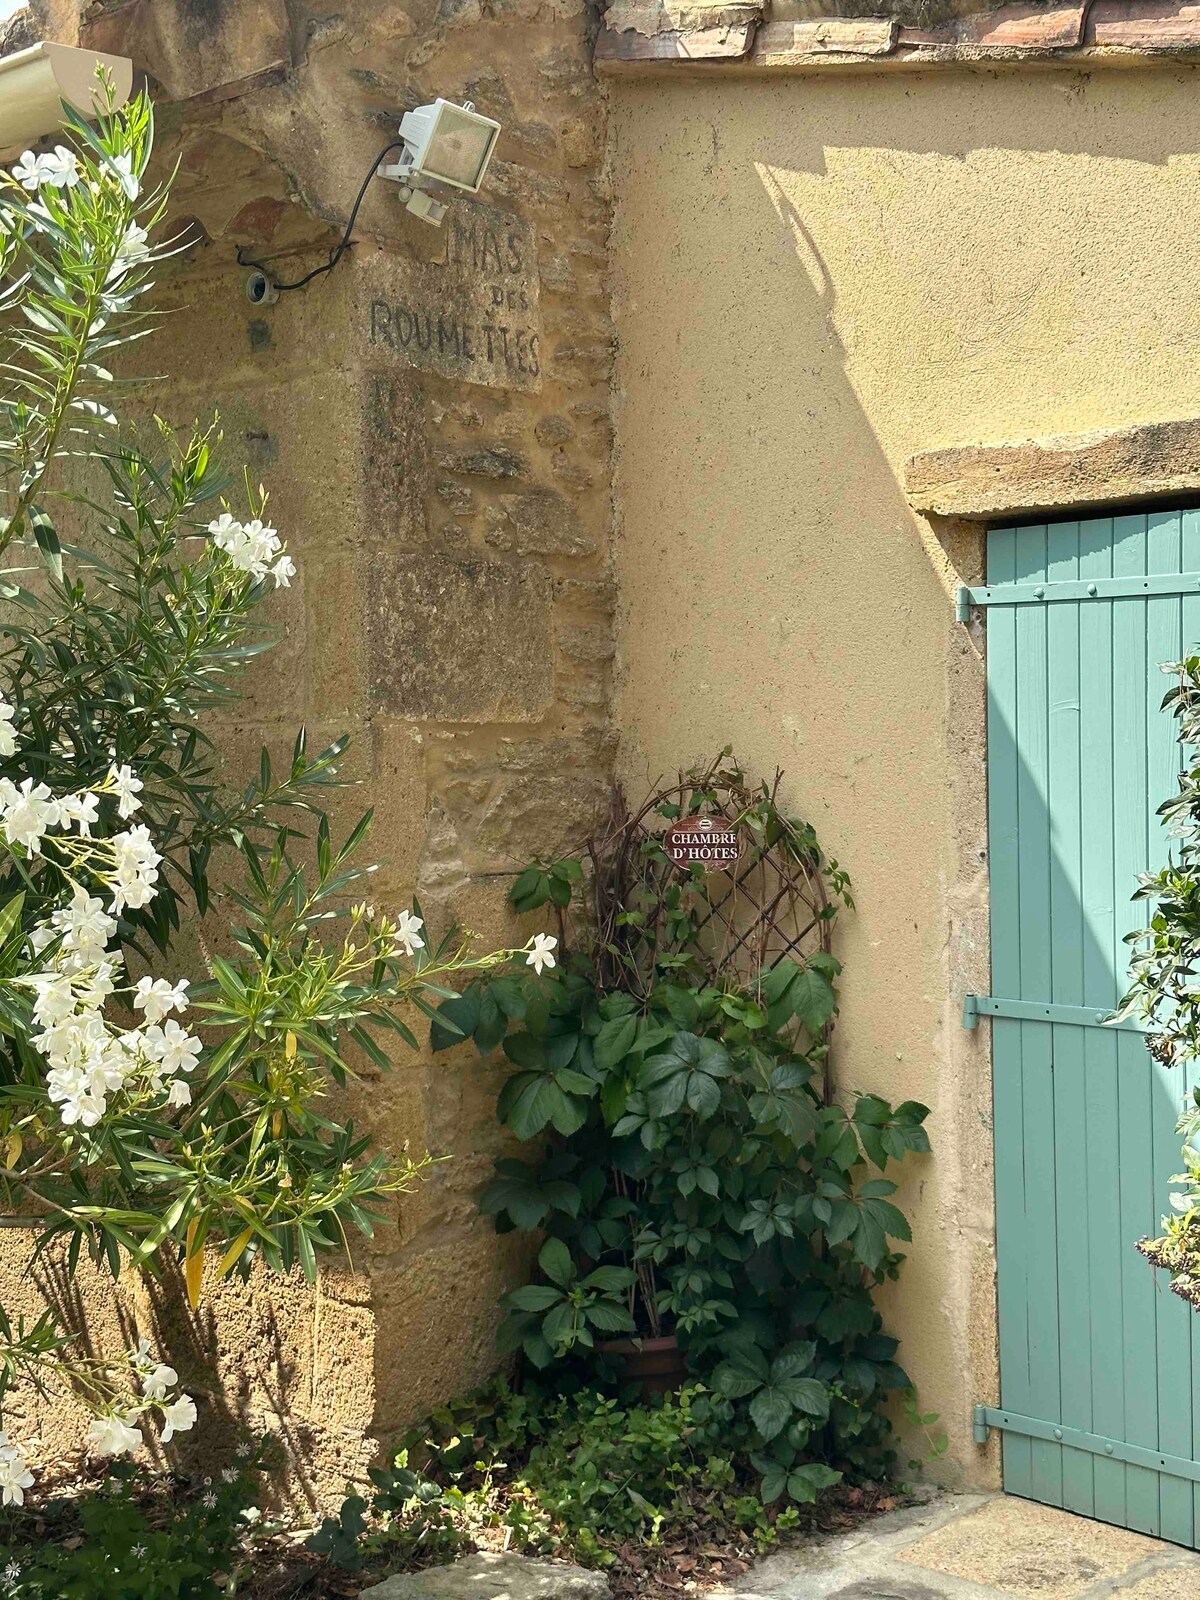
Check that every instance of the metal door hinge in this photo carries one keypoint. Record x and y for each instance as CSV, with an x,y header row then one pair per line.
x,y
1134,1455
1045,593
986,1005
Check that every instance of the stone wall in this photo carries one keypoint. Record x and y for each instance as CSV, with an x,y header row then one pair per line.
x,y
432,421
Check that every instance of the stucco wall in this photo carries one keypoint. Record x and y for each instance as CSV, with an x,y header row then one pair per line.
x,y
816,277
446,498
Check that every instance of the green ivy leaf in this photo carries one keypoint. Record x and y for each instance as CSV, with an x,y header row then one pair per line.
x,y
533,1297
812,999
614,1041
555,1261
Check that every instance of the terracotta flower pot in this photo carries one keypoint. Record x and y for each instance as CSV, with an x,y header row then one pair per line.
x,y
655,1365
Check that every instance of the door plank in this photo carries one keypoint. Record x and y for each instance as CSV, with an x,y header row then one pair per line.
x,y
1098,875
1069,1078
1007,1113
1172,1317
1034,856
1135,1174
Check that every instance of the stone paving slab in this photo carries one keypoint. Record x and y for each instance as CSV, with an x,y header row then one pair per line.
x,y
491,1576
1031,1551
976,1547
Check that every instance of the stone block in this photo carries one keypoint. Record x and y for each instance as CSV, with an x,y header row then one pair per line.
x,y
395,456
540,815
1057,473
483,461
488,1575
450,1278
540,523
300,441
337,658
459,641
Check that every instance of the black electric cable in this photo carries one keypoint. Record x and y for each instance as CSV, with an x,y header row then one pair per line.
x,y
343,244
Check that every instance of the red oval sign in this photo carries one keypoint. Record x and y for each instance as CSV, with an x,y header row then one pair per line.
x,y
708,842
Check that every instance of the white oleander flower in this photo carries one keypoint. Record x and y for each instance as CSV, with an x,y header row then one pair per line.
x,y
114,1435
179,1416
263,542
28,812
283,572
135,243
408,933
15,1476
122,169
30,171
158,998
541,952
225,530
80,809
8,734
179,1094
150,1043
136,861
181,1050
143,1358
126,786
79,1098
251,546
62,169
134,247
86,929
159,1381
93,987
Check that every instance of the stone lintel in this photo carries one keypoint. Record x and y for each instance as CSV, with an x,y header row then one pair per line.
x,y
1106,467
1094,31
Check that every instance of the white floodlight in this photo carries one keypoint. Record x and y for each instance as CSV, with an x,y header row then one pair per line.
x,y
443,143
35,82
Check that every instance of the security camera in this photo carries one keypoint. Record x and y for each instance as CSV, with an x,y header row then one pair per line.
x,y
445,144
35,82
260,291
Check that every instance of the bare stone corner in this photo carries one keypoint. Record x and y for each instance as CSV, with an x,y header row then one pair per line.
x,y
1053,474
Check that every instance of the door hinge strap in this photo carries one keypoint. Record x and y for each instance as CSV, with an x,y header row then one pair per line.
x,y
986,1005
1023,594
1134,1455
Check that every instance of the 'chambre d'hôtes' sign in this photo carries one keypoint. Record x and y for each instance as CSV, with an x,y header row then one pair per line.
x,y
473,316
707,842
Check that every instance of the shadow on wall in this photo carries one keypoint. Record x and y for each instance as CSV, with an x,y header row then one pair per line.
x,y
1084,1125
241,1385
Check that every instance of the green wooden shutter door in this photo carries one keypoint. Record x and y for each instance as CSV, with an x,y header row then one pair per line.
x,y
1079,758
